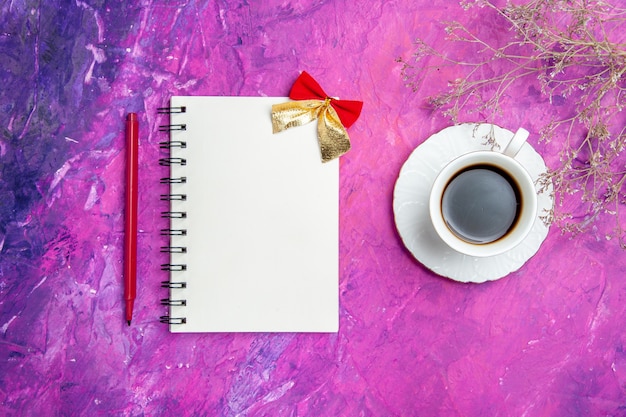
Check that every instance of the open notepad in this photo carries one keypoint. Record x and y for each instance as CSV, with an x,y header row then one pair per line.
x,y
253,221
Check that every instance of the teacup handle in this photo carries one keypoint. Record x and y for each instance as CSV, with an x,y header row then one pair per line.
x,y
516,143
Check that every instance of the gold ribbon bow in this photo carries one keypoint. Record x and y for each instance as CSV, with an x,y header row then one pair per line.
x,y
333,116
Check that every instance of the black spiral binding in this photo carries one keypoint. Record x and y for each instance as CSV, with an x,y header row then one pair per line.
x,y
173,267
172,284
173,214
170,110
173,320
170,302
173,249
169,161
173,144
170,180
172,161
169,128
173,197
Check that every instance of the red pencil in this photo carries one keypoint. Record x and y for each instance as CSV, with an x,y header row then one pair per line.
x,y
130,215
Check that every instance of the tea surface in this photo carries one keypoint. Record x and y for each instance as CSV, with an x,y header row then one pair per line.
x,y
480,205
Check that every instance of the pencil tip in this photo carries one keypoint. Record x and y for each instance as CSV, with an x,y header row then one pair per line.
x,y
129,322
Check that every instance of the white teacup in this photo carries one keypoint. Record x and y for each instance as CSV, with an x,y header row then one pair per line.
x,y
484,203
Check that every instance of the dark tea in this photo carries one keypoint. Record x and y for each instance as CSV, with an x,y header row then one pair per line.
x,y
481,204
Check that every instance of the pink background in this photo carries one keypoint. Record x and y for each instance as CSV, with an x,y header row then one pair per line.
x,y
547,340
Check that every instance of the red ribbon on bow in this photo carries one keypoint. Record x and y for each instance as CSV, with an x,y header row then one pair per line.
x,y
306,88
311,102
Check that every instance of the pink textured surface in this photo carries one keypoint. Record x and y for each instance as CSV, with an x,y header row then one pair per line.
x,y
547,340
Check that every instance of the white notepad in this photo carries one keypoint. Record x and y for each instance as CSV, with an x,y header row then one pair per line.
x,y
257,248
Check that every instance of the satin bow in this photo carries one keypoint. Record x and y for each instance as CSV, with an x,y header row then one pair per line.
x,y
334,115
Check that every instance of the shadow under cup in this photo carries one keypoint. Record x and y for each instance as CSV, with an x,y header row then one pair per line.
x,y
483,203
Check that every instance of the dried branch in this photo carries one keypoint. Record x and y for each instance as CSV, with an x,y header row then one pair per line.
x,y
574,51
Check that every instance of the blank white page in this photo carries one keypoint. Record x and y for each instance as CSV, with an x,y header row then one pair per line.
x,y
262,214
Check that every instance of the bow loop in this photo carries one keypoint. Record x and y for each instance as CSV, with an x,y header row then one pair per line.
x,y
312,102
305,88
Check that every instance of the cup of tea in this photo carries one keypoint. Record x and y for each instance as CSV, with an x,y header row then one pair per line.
x,y
484,203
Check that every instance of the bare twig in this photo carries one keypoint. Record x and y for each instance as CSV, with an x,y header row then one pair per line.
x,y
575,52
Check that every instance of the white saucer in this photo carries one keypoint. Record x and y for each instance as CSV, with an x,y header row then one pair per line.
x,y
410,205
